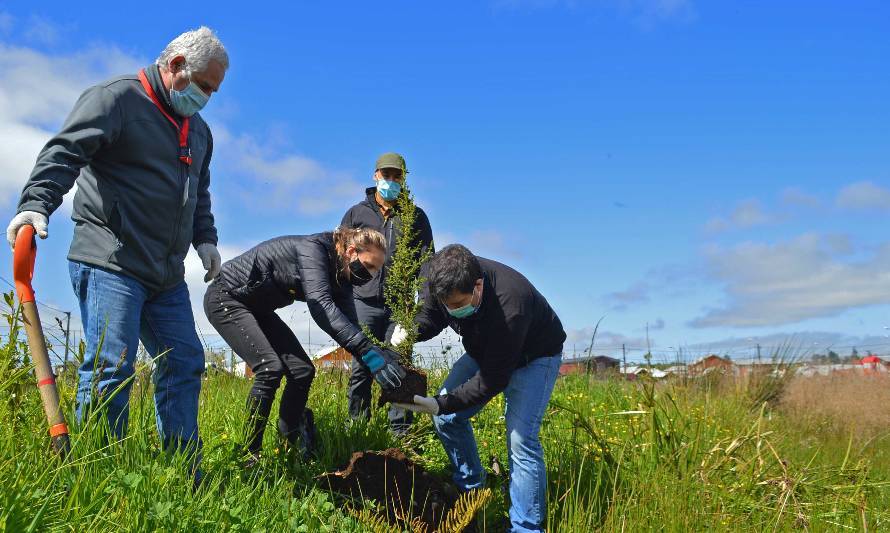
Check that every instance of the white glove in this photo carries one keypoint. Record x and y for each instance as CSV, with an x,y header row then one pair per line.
x,y
422,404
210,259
26,218
398,335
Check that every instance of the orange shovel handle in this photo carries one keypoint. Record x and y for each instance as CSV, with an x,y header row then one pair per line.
x,y
23,263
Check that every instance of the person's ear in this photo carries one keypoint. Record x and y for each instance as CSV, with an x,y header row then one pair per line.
x,y
176,64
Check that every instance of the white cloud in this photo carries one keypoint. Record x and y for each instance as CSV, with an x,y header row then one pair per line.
x,y
864,196
808,277
637,293
794,196
794,344
747,214
608,341
489,243
36,93
41,31
281,180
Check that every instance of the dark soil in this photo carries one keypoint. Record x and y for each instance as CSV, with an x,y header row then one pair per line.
x,y
415,382
389,477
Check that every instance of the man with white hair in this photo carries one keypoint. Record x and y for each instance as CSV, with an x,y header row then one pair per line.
x,y
140,155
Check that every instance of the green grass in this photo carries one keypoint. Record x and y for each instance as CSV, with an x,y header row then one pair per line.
x,y
620,456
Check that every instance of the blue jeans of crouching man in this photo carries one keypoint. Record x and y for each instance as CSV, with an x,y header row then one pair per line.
x,y
117,312
526,398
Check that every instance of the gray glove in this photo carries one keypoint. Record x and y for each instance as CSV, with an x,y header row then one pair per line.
x,y
384,364
210,259
26,218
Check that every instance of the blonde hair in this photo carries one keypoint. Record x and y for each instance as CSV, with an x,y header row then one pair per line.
x,y
361,238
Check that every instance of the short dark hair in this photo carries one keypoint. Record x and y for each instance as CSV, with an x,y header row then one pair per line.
x,y
453,268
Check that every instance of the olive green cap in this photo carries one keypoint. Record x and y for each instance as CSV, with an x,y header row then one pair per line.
x,y
391,160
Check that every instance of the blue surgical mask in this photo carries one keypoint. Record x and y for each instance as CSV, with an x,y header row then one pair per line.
x,y
389,190
188,101
465,311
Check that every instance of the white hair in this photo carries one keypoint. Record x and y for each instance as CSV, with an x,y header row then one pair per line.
x,y
198,47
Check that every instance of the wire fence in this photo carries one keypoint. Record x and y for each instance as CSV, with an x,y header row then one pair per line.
x,y
444,350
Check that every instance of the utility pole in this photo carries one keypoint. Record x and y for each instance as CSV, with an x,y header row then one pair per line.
x,y
758,353
67,334
624,358
648,348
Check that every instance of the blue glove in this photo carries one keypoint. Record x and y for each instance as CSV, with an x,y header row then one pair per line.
x,y
384,364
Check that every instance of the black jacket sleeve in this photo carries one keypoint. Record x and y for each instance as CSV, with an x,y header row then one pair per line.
x,y
424,233
94,122
431,320
315,277
505,336
204,228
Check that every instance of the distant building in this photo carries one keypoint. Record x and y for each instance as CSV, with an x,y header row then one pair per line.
x,y
827,370
873,364
595,364
759,367
334,357
635,372
710,363
676,370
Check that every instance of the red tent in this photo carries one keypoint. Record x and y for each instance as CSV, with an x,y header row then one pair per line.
x,y
871,359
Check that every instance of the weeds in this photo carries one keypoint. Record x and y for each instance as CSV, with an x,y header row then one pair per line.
x,y
620,456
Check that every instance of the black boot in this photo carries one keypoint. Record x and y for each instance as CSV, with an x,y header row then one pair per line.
x,y
303,437
258,409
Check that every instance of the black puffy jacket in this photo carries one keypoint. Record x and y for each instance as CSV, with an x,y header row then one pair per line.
x,y
366,214
280,271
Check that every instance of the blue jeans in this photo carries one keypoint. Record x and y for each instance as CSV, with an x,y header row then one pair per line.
x,y
117,312
526,398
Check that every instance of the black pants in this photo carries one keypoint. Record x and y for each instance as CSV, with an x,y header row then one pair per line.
x,y
376,317
273,352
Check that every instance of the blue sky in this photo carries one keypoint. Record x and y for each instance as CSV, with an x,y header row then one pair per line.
x,y
716,171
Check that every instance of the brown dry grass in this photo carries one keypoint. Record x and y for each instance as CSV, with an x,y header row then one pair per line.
x,y
845,403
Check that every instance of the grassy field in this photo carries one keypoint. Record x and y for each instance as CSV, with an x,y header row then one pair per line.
x,y
697,455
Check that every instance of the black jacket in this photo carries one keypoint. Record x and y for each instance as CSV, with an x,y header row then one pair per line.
x,y
366,214
513,325
280,271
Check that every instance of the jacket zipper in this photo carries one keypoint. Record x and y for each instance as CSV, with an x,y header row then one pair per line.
x,y
178,223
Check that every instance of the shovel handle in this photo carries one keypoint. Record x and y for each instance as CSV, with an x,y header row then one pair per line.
x,y
23,258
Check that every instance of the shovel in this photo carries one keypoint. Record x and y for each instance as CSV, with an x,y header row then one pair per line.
x,y
23,271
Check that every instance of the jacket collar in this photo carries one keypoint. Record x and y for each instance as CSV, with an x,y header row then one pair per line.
x,y
371,201
153,73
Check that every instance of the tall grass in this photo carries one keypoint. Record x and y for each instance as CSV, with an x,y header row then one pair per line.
x,y
620,456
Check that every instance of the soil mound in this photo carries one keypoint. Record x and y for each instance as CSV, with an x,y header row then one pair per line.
x,y
406,490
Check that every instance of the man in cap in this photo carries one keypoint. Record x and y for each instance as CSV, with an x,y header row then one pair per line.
x,y
378,211
140,154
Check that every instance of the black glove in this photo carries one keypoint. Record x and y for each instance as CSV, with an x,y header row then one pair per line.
x,y
384,364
